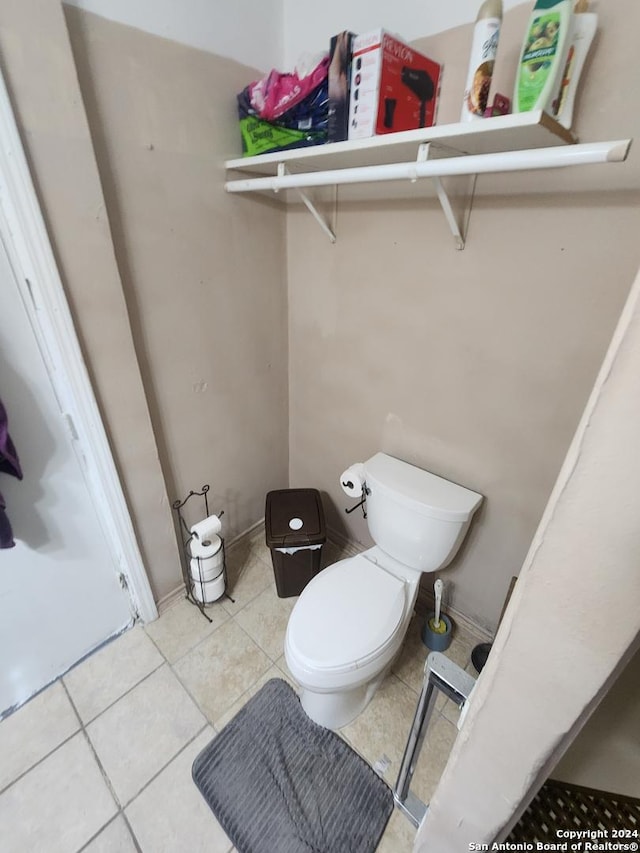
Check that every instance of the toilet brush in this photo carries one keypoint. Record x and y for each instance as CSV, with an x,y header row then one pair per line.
x,y
436,634
435,623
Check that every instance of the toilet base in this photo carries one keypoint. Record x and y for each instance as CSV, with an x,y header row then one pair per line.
x,y
336,710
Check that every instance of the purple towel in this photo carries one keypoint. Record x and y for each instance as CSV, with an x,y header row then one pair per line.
x,y
9,464
6,533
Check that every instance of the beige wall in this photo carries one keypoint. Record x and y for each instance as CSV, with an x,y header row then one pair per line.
x,y
571,625
606,753
203,273
177,291
477,364
41,78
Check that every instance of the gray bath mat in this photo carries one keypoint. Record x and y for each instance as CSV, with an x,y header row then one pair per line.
x,y
279,783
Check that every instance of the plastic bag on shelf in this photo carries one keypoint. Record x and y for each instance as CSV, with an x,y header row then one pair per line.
x,y
278,92
304,123
261,137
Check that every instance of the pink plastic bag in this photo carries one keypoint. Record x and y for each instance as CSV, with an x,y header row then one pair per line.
x,y
275,94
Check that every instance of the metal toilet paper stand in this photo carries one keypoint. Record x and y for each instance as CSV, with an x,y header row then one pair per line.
x,y
184,531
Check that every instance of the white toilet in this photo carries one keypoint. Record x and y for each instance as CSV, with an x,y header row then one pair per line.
x,y
351,619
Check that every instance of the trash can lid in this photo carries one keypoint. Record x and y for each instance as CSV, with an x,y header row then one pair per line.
x,y
294,518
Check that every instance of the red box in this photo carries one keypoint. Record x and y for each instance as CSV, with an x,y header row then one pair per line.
x,y
393,86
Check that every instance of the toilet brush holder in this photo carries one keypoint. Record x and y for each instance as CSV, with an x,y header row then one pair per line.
x,y
433,635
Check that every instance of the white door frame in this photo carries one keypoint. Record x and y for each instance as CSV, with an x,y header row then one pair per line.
x,y
24,234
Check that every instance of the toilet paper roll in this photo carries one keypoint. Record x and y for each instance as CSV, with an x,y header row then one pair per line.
x,y
208,569
207,528
209,591
352,480
206,549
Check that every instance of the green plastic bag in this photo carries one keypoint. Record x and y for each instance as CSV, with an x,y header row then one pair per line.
x,y
260,137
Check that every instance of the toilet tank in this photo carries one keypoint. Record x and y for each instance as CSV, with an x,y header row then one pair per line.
x,y
416,517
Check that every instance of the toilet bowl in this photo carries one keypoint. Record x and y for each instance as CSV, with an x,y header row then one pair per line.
x,y
343,634
350,621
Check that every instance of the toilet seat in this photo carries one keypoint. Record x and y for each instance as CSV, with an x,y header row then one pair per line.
x,y
346,616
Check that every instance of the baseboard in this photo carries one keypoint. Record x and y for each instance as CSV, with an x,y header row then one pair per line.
x,y
425,602
246,534
178,593
170,599
346,546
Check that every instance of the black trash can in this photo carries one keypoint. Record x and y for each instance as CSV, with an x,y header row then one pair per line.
x,y
294,519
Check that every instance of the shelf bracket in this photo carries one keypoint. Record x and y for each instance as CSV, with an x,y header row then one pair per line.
x,y
308,203
443,198
449,215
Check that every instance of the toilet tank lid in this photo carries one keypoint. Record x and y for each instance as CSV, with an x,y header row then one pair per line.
x,y
425,492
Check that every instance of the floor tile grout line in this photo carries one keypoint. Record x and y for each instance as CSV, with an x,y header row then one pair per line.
x,y
415,692
406,683
101,768
266,565
257,644
122,695
214,628
164,766
197,703
181,682
253,640
5,715
105,775
40,760
136,843
239,609
251,686
287,676
102,829
122,806
240,698
185,687
71,702
157,647
229,616
192,697
283,675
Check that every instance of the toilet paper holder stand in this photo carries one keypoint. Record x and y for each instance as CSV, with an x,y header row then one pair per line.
x,y
184,531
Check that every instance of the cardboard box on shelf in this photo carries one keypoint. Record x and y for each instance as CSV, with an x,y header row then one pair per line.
x,y
339,86
393,86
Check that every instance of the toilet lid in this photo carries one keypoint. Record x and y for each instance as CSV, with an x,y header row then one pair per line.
x,y
346,614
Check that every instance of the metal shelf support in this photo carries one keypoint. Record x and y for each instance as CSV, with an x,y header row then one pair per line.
x,y
443,198
614,151
308,203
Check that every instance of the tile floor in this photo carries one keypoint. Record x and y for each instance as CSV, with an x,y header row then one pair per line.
x,y
101,760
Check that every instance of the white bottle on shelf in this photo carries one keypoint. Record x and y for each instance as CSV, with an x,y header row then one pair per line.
x,y
581,34
542,57
484,48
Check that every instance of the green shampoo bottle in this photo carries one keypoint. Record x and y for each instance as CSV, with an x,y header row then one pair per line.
x,y
542,55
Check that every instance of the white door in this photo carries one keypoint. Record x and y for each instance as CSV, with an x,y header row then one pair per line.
x,y
60,594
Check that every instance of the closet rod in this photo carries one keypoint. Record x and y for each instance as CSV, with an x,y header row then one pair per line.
x,y
470,164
